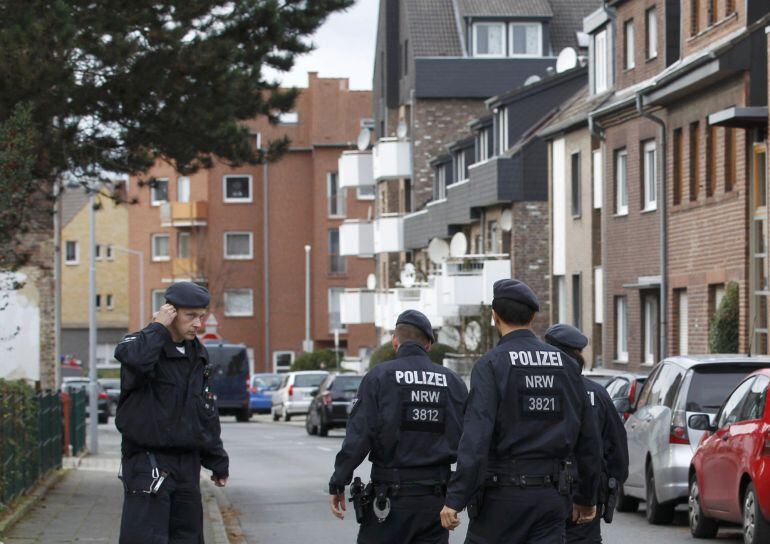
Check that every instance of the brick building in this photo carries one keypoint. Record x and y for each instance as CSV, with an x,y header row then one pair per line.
x,y
216,227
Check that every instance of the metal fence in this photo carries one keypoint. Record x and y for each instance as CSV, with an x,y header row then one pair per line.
x,y
77,424
30,439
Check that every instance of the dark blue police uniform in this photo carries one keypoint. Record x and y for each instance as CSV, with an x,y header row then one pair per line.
x,y
407,417
527,415
170,427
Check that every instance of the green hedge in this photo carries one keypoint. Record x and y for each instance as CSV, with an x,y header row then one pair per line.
x,y
320,359
386,353
724,326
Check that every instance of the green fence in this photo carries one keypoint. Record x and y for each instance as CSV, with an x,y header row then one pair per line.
x,y
30,437
78,422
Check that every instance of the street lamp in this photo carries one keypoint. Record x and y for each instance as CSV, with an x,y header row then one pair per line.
x,y
139,254
307,344
93,400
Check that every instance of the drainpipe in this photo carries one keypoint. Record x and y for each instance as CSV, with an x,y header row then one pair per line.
x,y
662,198
267,365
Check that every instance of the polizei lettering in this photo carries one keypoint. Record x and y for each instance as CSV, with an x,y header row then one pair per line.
x,y
535,358
420,377
539,382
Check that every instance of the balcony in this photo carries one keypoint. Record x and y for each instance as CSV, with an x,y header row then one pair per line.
x,y
469,281
355,169
392,159
357,306
389,233
184,214
391,303
185,270
357,238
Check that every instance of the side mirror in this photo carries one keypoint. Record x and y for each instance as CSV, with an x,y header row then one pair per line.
x,y
624,405
699,422
313,392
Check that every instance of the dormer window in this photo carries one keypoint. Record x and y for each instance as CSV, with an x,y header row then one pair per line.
x,y
439,182
489,39
507,39
526,39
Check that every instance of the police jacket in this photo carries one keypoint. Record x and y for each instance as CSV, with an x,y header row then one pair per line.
x,y
527,402
407,414
162,405
612,431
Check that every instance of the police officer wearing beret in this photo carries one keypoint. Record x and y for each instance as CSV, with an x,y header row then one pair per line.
x,y
169,423
613,433
407,417
527,416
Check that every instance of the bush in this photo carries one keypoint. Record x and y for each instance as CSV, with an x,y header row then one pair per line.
x,y
386,353
320,359
724,326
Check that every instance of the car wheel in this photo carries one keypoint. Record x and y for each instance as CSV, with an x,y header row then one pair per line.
x,y
626,503
657,513
243,416
276,417
323,428
286,416
311,429
700,525
756,528
104,418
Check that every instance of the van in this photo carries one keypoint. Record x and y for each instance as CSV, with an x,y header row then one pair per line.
x,y
229,379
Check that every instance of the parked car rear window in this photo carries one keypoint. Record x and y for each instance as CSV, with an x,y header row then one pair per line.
x,y
308,380
710,386
271,380
618,388
347,383
233,360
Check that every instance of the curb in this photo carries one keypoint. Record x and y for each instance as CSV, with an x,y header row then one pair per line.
x,y
30,500
215,502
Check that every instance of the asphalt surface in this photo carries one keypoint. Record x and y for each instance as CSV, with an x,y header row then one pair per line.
x,y
278,491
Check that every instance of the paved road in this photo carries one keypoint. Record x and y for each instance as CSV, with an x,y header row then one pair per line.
x,y
278,490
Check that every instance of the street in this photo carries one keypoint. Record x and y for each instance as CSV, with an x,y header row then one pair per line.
x,y
279,476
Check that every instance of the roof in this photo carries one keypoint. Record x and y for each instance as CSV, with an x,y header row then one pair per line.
x,y
689,361
568,20
505,8
72,200
433,28
574,113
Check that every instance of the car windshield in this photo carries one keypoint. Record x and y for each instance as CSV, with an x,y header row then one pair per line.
x,y
308,380
110,384
271,381
618,388
234,360
347,383
711,385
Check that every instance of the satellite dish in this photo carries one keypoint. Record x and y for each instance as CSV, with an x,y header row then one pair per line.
x,y
438,251
566,60
506,220
459,245
534,78
450,336
408,276
371,282
472,336
364,139
401,130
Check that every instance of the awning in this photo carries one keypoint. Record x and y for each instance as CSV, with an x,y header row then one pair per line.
x,y
740,117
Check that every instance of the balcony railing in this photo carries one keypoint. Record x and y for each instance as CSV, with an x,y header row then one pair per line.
x,y
357,306
389,233
392,159
184,214
185,269
355,169
357,238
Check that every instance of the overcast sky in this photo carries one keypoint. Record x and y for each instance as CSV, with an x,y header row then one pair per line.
x,y
344,48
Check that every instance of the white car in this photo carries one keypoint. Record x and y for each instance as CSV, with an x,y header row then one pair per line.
x,y
294,394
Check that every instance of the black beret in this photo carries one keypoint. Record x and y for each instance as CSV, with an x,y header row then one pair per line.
x,y
416,319
567,336
516,290
187,294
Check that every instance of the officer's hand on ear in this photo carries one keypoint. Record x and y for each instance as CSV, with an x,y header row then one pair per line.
x,y
583,514
449,519
337,504
165,316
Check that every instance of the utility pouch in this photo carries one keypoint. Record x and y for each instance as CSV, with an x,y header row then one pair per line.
x,y
565,478
475,504
613,494
359,499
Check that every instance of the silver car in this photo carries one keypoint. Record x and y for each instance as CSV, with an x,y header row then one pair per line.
x,y
293,396
660,441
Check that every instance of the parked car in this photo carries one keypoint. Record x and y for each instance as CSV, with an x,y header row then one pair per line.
x,y
331,403
72,385
602,376
112,388
261,393
661,441
229,379
624,391
293,396
730,474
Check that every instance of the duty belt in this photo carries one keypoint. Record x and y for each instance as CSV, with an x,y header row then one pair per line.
x,y
411,475
525,473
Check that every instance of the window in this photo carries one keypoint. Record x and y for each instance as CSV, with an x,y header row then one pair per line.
x,y
282,361
158,299
288,118
598,178
754,405
160,247
493,237
729,7
502,129
98,252
730,412
237,189
650,183
694,155
678,158
621,329
599,295
336,261
110,251
561,300
694,17
729,135
183,245
683,320
576,185
105,355
712,11
335,323
158,192
365,192
628,34
238,245
651,34
335,196
576,299
526,39
483,145
461,172
711,153
650,320
716,294
183,189
439,189
601,63
489,39
406,57
98,302
109,302
621,183
239,303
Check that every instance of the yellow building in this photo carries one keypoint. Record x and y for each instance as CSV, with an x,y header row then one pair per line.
x,y
112,284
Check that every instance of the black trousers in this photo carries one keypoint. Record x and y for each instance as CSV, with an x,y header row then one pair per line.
x,y
412,520
172,516
512,515
587,533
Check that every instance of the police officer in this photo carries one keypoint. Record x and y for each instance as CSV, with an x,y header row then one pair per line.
x,y
527,416
407,416
613,433
169,423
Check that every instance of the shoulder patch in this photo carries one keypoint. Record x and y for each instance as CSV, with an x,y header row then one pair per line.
x,y
128,339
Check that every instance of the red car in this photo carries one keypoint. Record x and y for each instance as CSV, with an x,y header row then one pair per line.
x,y
730,471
